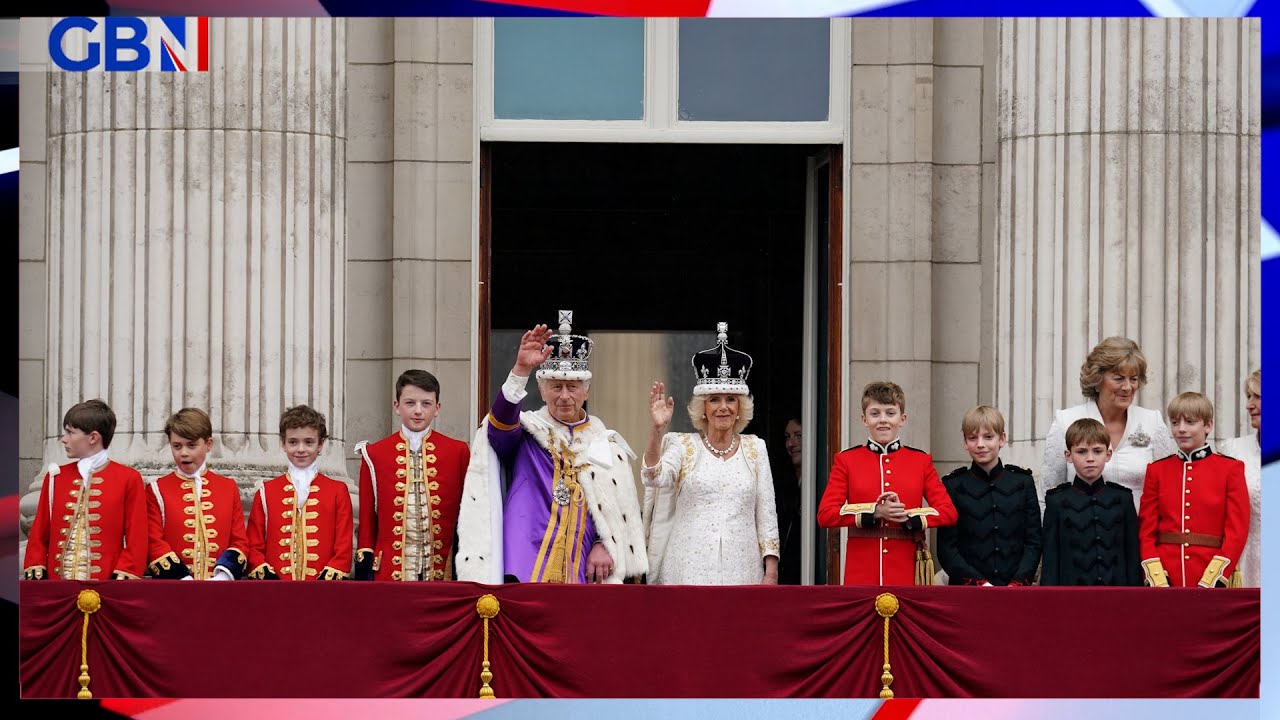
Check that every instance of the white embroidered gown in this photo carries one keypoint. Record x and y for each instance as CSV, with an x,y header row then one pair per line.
x,y
1246,450
725,521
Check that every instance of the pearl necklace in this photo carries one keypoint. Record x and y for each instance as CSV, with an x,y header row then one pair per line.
x,y
733,445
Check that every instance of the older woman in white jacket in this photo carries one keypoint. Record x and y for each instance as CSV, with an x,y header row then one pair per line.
x,y
1110,378
1247,450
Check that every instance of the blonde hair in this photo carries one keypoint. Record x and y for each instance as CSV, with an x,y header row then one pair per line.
x,y
982,416
884,393
698,412
1087,431
1191,406
1253,383
1111,353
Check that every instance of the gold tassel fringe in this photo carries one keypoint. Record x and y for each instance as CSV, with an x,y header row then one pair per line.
x,y
925,571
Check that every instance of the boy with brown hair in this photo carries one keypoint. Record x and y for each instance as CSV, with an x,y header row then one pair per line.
x,y
1090,525
410,489
996,538
1194,518
91,520
195,515
879,491
300,525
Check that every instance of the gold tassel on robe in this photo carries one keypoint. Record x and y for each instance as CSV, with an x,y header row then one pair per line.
x,y
552,563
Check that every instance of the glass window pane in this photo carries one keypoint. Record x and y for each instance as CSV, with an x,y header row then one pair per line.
x,y
568,68
750,69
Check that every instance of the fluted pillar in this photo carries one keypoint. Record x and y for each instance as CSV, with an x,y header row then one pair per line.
x,y
196,246
1128,204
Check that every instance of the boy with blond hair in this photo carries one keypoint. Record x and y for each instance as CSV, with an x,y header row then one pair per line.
x,y
1194,518
195,515
91,520
996,538
1090,525
887,495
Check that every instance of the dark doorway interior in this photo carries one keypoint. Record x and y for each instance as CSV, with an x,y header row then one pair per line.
x,y
667,238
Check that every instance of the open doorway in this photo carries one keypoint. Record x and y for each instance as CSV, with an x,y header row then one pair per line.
x,y
651,246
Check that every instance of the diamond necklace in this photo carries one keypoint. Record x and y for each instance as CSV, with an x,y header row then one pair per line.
x,y
733,445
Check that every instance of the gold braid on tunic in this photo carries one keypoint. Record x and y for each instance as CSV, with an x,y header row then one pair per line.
x,y
75,556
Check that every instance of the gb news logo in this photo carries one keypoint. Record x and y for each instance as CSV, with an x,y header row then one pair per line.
x,y
130,44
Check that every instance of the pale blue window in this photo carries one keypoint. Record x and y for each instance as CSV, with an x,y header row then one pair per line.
x,y
568,68
755,69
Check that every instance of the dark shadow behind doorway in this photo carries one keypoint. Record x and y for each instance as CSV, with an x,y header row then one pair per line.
x,y
668,239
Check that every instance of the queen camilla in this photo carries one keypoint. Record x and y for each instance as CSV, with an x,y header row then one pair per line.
x,y
710,514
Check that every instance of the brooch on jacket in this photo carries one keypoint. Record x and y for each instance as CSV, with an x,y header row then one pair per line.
x,y
1139,438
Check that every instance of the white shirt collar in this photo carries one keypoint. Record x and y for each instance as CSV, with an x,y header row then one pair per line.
x,y
415,438
301,479
86,466
197,478
198,474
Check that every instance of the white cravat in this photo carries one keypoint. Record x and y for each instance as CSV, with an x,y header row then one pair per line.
x,y
301,478
198,478
415,438
86,466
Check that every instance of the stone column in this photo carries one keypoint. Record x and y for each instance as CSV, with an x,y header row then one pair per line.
x,y
411,206
1128,205
196,244
919,155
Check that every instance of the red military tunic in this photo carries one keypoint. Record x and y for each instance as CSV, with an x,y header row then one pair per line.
x,y
1194,518
880,553
106,529
181,533
389,531
309,543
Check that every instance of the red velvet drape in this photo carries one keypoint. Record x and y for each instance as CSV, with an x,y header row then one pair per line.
x,y
343,639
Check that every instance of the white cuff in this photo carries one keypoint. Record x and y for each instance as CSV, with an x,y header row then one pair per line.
x,y
649,472
221,573
513,389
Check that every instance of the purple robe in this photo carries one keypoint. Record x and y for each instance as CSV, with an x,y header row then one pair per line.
x,y
527,507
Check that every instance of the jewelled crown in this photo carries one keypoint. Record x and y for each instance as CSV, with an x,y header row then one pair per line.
x,y
569,353
721,369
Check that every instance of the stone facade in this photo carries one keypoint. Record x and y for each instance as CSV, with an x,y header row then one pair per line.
x,y
1018,190
1127,204
189,249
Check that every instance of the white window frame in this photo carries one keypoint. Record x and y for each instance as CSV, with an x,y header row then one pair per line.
x,y
661,122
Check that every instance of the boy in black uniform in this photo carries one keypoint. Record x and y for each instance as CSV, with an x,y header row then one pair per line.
x,y
996,541
1090,525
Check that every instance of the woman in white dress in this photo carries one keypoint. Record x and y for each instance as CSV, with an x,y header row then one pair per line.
x,y
1247,450
1110,378
709,504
